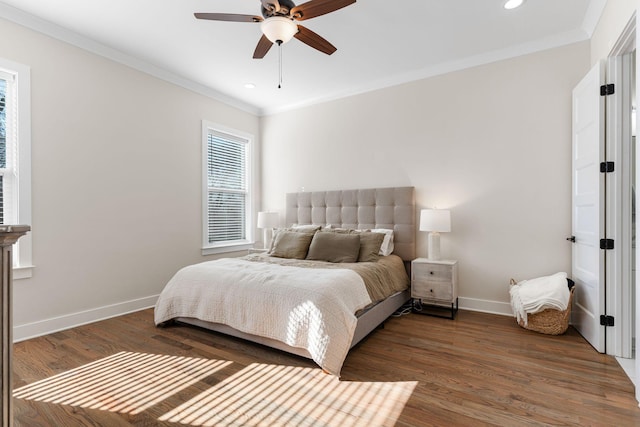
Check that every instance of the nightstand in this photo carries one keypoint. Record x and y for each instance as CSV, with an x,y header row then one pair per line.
x,y
434,287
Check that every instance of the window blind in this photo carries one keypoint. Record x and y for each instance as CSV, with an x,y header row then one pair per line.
x,y
4,79
227,196
8,149
15,157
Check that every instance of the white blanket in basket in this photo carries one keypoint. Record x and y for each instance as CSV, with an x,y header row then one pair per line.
x,y
533,296
306,308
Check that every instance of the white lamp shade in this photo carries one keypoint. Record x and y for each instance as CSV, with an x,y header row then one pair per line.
x,y
279,28
268,219
435,220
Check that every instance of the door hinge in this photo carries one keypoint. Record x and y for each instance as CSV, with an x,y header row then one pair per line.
x,y
606,167
607,89
606,320
606,244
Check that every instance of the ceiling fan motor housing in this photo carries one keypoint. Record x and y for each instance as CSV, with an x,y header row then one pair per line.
x,y
279,8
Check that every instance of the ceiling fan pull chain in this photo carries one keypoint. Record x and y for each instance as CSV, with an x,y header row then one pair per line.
x,y
280,64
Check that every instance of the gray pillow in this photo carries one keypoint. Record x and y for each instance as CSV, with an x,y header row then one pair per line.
x,y
290,244
334,247
298,229
370,243
369,246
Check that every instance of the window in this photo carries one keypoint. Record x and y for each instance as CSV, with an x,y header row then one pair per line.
x,y
227,189
15,158
8,172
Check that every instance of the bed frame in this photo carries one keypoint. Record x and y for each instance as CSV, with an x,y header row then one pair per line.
x,y
392,208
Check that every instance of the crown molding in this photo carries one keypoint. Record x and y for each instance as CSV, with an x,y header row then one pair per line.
x,y
20,17
592,17
558,40
52,30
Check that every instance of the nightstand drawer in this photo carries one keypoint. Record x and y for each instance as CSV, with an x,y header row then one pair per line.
x,y
442,291
434,285
432,273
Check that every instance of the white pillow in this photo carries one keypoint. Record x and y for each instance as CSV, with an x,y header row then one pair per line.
x,y
387,244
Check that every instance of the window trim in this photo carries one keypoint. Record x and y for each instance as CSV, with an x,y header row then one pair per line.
x,y
208,248
24,267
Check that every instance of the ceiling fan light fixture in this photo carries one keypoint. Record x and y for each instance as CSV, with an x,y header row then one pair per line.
x,y
279,29
512,4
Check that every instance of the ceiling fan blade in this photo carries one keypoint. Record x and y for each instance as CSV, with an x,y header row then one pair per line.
x,y
264,44
314,8
233,17
307,36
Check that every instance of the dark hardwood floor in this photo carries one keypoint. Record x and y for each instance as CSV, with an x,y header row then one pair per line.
x,y
476,370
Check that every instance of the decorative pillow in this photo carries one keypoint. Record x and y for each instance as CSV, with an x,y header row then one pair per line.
x,y
370,244
334,247
310,229
387,243
291,244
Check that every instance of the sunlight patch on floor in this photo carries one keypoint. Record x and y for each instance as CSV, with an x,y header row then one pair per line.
x,y
273,395
125,382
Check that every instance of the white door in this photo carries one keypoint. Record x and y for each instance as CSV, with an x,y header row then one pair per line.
x,y
588,207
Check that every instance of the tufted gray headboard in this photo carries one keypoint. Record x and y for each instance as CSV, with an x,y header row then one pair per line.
x,y
392,208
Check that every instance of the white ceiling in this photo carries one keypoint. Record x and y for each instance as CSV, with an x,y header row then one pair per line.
x,y
380,43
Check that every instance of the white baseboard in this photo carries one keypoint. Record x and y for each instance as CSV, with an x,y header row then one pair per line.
x,y
56,324
48,326
485,306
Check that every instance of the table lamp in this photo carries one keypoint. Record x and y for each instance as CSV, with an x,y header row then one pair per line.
x,y
435,221
267,221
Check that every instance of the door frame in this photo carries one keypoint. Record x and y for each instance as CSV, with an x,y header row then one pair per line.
x,y
624,305
619,302
618,193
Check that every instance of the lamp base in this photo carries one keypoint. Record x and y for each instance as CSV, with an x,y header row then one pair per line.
x,y
267,235
433,246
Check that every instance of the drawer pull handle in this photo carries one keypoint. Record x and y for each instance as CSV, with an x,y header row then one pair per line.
x,y
431,290
431,272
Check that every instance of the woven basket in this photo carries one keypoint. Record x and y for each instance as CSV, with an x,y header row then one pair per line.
x,y
550,321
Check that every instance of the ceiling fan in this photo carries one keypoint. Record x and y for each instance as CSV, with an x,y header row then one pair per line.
x,y
279,22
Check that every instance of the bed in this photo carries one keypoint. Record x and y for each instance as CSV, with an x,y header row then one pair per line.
x,y
284,302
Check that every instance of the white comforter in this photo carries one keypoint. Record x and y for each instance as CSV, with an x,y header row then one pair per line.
x,y
305,308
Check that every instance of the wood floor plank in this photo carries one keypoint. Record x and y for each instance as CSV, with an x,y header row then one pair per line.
x,y
478,369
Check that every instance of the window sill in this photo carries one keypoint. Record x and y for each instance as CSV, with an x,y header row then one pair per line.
x,y
228,248
23,272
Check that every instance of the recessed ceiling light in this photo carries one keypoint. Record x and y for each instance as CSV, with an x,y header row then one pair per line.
x,y
512,4
250,85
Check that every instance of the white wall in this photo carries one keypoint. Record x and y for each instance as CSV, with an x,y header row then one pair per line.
x,y
492,143
116,182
